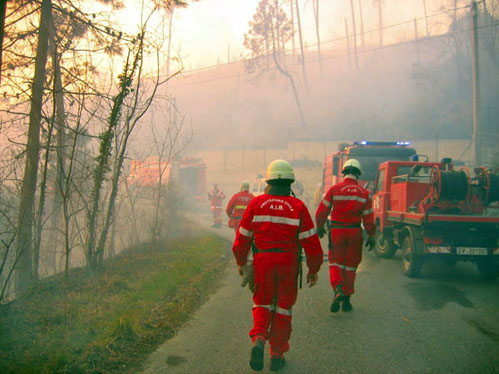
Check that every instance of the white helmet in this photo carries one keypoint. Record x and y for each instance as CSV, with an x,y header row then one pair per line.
x,y
351,164
280,170
245,186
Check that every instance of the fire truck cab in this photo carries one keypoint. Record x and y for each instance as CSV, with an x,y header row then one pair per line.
x,y
370,154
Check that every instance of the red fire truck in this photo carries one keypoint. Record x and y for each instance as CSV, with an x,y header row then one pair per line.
x,y
430,210
370,154
189,173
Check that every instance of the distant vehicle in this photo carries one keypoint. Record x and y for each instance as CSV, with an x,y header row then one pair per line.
x,y
259,185
429,210
190,174
370,154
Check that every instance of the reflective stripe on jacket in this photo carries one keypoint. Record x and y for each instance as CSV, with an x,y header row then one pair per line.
x,y
278,222
238,204
350,203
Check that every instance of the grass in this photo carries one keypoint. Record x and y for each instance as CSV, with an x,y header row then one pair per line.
x,y
109,322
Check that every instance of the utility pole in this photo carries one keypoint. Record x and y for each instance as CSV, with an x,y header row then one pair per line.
x,y
426,18
301,46
380,18
416,41
354,37
456,43
348,45
362,38
293,27
169,45
476,87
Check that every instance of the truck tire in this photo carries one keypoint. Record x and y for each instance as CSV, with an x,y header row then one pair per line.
x,y
489,269
410,260
385,248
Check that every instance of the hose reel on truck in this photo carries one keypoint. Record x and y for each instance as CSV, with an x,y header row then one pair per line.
x,y
489,183
451,185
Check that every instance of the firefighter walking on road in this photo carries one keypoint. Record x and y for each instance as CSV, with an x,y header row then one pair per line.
x,y
238,204
350,204
275,226
216,196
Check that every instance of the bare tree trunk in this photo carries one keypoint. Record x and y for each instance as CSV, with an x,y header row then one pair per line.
x,y
60,125
291,80
24,275
3,9
41,202
317,32
130,122
103,163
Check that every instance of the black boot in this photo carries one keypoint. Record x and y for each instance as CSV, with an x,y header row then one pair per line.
x,y
338,298
277,363
346,306
256,361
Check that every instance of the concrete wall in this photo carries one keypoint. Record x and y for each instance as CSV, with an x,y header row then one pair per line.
x,y
229,167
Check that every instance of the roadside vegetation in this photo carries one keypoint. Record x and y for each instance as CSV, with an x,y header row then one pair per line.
x,y
110,321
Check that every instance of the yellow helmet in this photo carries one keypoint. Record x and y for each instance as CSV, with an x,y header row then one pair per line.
x,y
280,170
351,163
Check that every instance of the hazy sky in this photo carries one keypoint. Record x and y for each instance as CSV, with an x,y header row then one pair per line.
x,y
206,28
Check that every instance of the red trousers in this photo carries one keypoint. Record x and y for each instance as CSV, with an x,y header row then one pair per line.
x,y
344,257
217,215
275,293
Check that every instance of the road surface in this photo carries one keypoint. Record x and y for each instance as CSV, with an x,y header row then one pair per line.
x,y
446,321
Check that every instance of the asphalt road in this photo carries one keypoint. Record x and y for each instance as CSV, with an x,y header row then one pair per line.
x,y
446,321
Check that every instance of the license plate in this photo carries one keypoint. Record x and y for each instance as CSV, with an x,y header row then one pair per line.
x,y
471,251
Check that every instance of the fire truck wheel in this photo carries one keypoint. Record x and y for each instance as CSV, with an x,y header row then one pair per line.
x,y
385,247
489,270
411,261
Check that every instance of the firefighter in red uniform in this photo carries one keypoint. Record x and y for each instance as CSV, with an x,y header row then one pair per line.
x,y
275,225
216,196
238,204
350,203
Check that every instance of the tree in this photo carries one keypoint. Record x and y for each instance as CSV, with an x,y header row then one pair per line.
x,y
269,25
65,73
24,236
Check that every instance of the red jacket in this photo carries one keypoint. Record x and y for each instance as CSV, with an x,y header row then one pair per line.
x,y
350,204
278,222
238,204
216,197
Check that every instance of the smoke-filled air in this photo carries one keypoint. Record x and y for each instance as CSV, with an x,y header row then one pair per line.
x,y
140,139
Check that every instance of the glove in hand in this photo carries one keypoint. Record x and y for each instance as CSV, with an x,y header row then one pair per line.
x,y
246,271
321,232
312,279
370,243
